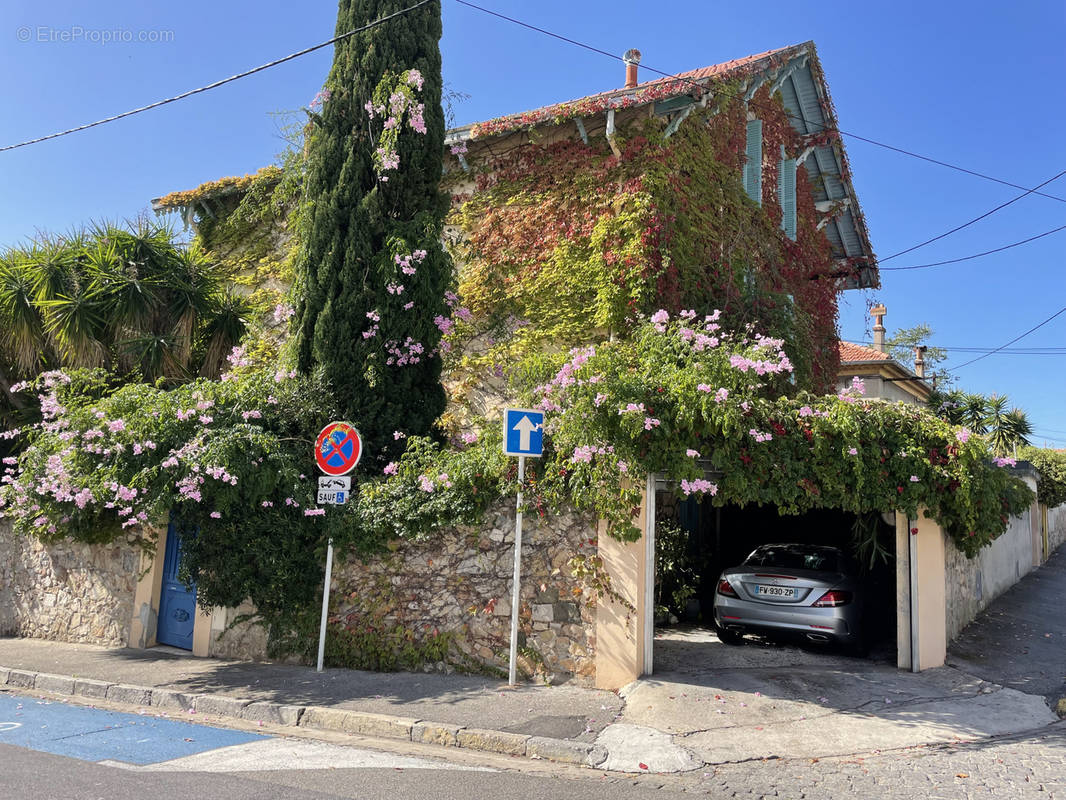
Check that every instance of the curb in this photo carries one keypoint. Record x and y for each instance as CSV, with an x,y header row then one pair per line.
x,y
337,720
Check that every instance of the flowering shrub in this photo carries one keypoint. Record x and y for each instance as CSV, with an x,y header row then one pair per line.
x,y
232,461
657,401
394,100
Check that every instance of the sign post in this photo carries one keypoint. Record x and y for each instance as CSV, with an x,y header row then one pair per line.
x,y
523,435
338,449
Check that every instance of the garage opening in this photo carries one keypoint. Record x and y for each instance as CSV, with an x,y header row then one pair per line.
x,y
696,541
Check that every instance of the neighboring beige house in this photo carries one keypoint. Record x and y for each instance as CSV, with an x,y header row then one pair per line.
x,y
884,377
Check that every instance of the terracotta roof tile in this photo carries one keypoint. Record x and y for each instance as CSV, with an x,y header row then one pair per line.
x,y
857,352
644,92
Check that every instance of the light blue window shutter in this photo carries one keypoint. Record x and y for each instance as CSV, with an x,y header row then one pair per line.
x,y
786,195
753,166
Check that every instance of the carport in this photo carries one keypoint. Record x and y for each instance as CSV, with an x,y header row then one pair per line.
x,y
625,628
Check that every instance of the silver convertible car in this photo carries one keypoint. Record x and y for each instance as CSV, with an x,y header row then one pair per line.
x,y
804,591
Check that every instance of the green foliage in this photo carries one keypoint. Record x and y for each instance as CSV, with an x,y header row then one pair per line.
x,y
986,415
371,645
901,346
435,486
232,462
225,457
371,269
1051,489
128,300
668,401
676,576
565,242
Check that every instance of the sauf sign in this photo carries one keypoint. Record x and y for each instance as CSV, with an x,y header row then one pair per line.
x,y
523,435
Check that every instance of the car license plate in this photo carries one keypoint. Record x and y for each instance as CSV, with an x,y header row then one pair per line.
x,y
775,591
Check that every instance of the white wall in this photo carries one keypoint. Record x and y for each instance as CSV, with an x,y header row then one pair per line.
x,y
972,584
1056,527
878,387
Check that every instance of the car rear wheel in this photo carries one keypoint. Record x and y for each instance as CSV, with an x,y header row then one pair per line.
x,y
726,636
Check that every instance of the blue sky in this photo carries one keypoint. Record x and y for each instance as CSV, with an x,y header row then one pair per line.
x,y
977,85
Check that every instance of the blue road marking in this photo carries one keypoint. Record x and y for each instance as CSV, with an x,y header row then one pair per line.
x,y
92,734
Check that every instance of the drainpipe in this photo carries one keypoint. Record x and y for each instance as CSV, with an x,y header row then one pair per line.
x,y
912,565
611,133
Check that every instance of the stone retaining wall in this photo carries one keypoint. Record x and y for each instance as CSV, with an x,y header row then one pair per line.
x,y
68,592
458,582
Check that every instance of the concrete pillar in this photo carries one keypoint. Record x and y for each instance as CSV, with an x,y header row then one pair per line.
x,y
932,596
620,625
921,596
146,595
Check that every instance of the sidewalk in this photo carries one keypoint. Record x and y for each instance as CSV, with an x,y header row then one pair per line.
x,y
705,704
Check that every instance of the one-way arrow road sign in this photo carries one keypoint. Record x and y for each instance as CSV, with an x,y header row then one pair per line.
x,y
523,432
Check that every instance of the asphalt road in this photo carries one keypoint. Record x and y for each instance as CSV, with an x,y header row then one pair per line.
x,y
55,750
1020,641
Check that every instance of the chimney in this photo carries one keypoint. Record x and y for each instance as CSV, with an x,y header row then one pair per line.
x,y
632,58
878,313
919,360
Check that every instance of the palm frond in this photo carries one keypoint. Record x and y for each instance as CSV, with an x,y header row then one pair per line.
x,y
223,331
21,322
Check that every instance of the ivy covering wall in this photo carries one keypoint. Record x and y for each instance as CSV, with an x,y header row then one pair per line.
x,y
565,242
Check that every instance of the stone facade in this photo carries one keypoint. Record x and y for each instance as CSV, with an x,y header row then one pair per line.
x,y
68,591
245,640
458,582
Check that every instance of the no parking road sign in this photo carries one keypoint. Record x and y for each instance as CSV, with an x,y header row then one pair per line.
x,y
338,448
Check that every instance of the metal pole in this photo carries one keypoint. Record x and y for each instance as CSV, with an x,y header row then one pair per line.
x,y
325,604
649,575
912,558
517,569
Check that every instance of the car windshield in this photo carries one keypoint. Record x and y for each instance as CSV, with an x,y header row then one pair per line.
x,y
797,556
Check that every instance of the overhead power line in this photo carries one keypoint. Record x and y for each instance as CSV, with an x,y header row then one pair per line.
x,y
1012,341
649,68
1018,351
972,221
222,82
977,255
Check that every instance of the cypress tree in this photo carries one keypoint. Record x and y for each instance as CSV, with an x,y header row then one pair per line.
x,y
372,268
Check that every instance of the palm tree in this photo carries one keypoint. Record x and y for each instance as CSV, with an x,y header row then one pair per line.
x,y
1007,430
1004,430
127,299
974,412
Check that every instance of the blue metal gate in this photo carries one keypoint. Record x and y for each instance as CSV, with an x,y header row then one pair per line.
x,y
177,602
